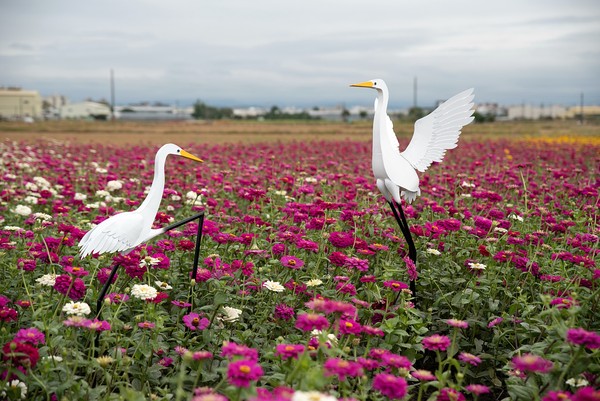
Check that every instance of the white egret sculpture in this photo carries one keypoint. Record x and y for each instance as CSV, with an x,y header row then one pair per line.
x,y
396,171
123,232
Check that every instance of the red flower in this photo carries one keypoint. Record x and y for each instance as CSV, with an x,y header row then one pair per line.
x,y
20,354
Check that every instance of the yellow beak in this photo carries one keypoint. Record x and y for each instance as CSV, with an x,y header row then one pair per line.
x,y
190,156
366,84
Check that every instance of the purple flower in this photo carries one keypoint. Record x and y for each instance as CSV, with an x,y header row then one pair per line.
x,y
393,387
31,336
193,321
241,373
292,262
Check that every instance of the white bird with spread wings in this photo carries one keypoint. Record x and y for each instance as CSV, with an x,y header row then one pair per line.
x,y
433,135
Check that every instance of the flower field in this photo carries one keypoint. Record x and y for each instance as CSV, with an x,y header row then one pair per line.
x,y
302,286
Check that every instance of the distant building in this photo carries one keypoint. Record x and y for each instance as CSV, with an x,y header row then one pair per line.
x,y
85,110
589,112
530,112
18,104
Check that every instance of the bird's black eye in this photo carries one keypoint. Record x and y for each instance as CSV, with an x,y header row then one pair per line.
x,y
178,150
374,83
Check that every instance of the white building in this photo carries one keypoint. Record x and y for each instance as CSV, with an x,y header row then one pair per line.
x,y
530,112
85,110
16,103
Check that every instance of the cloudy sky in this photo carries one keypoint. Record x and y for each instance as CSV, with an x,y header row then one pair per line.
x,y
303,53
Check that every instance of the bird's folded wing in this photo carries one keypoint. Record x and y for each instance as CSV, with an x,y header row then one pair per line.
x,y
439,131
116,234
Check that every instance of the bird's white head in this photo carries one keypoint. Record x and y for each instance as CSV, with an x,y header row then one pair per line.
x,y
378,84
171,149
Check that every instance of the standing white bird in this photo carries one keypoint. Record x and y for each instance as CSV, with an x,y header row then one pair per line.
x,y
124,231
435,133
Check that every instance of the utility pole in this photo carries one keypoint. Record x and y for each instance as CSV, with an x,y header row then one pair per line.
x,y
415,93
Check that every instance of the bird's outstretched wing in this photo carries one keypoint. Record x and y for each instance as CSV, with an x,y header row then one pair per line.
x,y
116,234
439,131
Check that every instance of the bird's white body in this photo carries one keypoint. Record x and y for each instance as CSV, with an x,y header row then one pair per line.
x,y
124,231
435,133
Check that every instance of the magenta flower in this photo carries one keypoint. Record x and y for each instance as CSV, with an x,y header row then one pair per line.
x,y
20,355
531,363
341,239
477,389
469,358
241,373
75,287
26,264
557,396
76,271
31,336
423,375
342,368
8,314
231,350
166,362
586,394
436,342
193,321
395,285
349,327
146,325
411,268
284,312
292,262
181,304
393,387
495,322
117,298
311,321
396,361
457,323
450,394
579,336
97,325
286,351
356,263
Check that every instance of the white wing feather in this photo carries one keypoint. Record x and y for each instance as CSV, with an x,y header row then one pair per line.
x,y
439,131
116,234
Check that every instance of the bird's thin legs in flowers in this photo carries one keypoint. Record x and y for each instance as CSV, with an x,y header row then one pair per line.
x,y
412,250
105,288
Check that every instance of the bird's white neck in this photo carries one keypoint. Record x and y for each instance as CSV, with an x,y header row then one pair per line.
x,y
150,205
379,119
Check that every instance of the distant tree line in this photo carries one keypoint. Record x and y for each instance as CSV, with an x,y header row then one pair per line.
x,y
206,112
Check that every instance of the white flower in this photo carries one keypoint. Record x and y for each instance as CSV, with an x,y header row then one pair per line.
x,y
433,251
47,279
22,210
42,216
314,282
32,200
312,396
477,266
101,170
12,228
577,382
79,197
42,182
193,198
114,185
77,308
231,314
30,186
500,230
467,184
310,180
149,261
175,198
16,385
162,285
9,176
274,286
143,291
515,217
102,193
54,358
281,193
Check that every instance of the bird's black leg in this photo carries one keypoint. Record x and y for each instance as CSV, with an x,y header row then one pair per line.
x,y
105,288
412,250
196,256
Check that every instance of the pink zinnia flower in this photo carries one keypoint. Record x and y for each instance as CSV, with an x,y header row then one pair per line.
x,y
286,351
117,298
166,362
579,336
477,389
341,239
231,350
76,289
586,394
557,396
411,269
311,321
457,323
393,387
20,355
181,304
31,336
469,358
423,375
349,327
97,325
292,262
436,342
495,322
395,285
396,361
531,363
241,373
284,312
450,394
146,325
193,321
342,368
